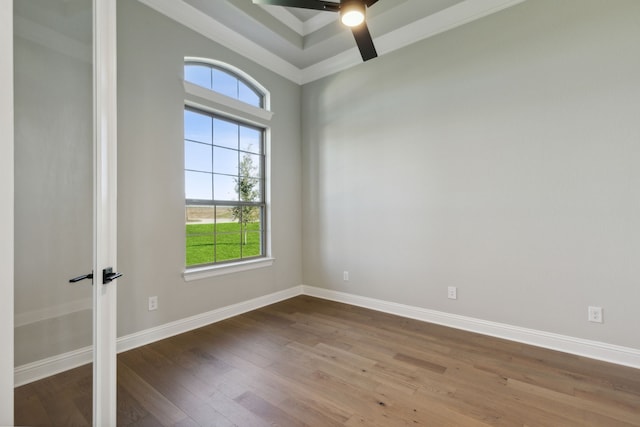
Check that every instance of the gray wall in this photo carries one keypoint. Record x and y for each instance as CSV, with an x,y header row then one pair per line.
x,y
500,157
151,51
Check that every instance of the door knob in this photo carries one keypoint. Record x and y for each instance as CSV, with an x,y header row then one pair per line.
x,y
79,278
108,275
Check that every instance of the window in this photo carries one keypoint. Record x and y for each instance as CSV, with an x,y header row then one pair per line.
x,y
223,82
225,167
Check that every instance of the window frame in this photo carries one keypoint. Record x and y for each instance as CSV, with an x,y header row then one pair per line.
x,y
213,103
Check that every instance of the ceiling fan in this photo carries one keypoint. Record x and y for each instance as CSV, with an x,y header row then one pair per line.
x,y
352,14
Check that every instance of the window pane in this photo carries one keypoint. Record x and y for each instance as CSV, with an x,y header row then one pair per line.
x,y
251,247
226,133
197,127
197,156
246,94
225,188
198,74
197,185
200,214
225,161
250,139
258,196
200,248
227,229
249,189
228,240
250,165
225,83
224,214
249,217
200,234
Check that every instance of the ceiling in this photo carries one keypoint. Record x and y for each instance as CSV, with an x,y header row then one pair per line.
x,y
304,45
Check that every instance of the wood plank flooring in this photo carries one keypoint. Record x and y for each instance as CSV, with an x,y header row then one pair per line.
x,y
311,362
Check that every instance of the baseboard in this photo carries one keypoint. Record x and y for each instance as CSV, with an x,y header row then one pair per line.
x,y
39,369
53,365
592,349
167,330
47,313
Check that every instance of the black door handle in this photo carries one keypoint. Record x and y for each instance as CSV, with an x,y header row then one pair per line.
x,y
108,275
79,278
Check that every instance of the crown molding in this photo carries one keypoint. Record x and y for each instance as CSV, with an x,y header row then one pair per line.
x,y
286,17
319,21
421,29
303,28
447,19
203,24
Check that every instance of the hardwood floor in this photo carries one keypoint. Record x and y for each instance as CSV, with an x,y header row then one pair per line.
x,y
312,362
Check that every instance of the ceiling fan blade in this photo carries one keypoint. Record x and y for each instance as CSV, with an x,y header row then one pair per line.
x,y
370,3
364,42
303,4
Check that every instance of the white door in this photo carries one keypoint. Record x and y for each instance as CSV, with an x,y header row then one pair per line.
x,y
65,195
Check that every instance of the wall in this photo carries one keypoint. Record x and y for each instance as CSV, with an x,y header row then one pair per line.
x,y
500,157
6,213
151,50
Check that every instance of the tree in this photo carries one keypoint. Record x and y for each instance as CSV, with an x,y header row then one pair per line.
x,y
248,190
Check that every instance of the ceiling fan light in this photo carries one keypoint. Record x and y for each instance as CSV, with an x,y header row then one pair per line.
x,y
352,14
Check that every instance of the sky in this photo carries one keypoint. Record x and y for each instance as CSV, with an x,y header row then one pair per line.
x,y
203,157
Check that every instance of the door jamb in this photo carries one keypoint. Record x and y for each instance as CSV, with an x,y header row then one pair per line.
x,y
6,213
105,211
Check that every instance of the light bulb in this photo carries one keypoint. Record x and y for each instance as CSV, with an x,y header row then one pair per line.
x,y
352,14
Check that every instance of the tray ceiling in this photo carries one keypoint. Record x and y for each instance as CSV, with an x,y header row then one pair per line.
x,y
304,45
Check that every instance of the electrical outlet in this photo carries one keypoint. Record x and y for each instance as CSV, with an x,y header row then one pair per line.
x,y
153,303
452,292
345,276
595,314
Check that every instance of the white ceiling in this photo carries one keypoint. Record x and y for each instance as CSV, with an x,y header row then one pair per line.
x,y
304,45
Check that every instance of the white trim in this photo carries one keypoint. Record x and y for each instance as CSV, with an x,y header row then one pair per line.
x,y
200,97
592,349
447,19
198,273
28,317
44,368
105,212
194,322
319,21
432,25
286,17
6,213
199,22
303,28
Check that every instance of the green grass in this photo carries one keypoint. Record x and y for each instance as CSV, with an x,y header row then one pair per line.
x,y
208,243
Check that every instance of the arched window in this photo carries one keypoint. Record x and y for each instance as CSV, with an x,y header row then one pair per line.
x,y
225,163
224,82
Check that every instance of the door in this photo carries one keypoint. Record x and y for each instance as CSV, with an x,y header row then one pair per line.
x,y
65,202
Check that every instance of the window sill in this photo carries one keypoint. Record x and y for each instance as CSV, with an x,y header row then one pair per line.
x,y
219,270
